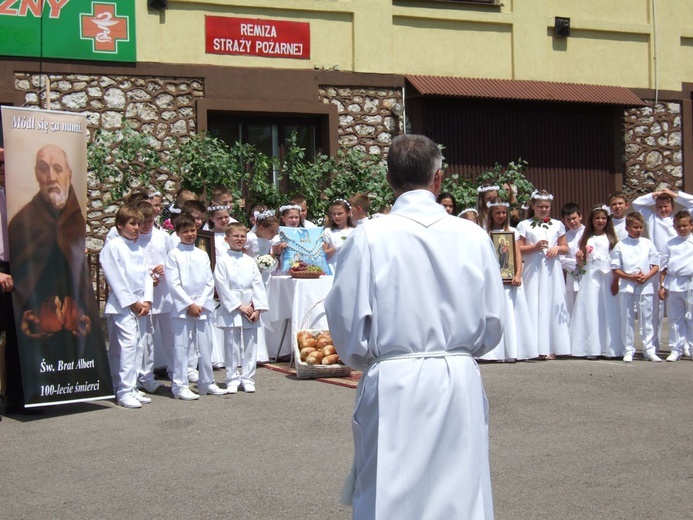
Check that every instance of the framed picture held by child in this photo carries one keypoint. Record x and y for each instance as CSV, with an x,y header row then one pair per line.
x,y
205,241
504,246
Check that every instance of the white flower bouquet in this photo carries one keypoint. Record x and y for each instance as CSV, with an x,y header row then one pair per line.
x,y
266,263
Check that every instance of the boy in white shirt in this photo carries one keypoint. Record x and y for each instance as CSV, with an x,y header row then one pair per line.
x,y
635,261
157,244
618,204
243,297
676,280
572,218
360,205
189,275
129,302
657,209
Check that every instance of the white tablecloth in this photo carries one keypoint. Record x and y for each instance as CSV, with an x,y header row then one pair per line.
x,y
290,303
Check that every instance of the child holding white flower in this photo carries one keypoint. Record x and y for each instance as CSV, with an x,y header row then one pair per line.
x,y
542,240
595,325
336,232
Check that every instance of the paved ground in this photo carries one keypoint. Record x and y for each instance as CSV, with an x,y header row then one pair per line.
x,y
570,439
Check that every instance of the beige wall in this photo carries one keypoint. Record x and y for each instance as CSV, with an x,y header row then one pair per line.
x,y
613,42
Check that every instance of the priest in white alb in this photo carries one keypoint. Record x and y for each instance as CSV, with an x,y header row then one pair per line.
x,y
416,295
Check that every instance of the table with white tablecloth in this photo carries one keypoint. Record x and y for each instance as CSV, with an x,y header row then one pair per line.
x,y
295,304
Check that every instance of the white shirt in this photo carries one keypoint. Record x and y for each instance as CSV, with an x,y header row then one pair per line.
x,y
635,255
569,262
335,238
660,229
238,282
157,244
620,227
126,271
677,259
190,280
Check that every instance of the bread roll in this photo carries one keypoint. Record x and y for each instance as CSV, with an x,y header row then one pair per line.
x,y
303,335
305,352
314,358
328,350
330,360
323,341
308,343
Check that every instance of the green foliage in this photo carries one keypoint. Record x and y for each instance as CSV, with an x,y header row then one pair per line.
x,y
464,188
123,160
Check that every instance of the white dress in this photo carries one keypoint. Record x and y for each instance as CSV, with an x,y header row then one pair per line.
x,y
595,325
420,422
545,289
519,340
335,238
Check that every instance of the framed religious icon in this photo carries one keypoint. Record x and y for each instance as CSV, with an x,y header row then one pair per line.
x,y
504,245
205,241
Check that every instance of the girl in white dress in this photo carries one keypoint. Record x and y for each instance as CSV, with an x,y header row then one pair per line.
x,y
542,239
519,340
339,227
485,194
595,325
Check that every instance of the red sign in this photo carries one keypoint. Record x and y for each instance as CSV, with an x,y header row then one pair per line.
x,y
254,37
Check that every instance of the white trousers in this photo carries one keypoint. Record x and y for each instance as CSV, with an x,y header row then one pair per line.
x,y
163,341
644,304
240,347
125,353
191,334
680,327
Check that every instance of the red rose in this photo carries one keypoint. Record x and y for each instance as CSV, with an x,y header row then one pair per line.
x,y
546,220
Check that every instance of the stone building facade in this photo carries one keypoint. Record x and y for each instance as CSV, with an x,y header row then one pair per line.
x,y
653,148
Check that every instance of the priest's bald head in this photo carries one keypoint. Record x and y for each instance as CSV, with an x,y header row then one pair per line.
x,y
54,175
414,162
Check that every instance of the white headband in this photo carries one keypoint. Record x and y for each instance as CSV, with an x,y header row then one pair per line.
x,y
155,194
492,204
282,209
468,210
484,189
174,210
536,195
218,208
262,215
348,204
605,208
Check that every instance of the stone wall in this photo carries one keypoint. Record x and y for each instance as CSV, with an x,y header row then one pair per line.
x,y
653,146
365,116
161,107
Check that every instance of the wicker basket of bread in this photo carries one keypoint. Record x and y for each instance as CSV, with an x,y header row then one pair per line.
x,y
315,355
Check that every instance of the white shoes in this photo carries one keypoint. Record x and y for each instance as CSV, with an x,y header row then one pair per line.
x,y
686,352
653,357
628,357
249,388
674,356
186,395
129,401
231,388
212,389
141,398
193,376
149,386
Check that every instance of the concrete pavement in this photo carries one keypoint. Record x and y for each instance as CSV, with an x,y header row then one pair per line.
x,y
570,439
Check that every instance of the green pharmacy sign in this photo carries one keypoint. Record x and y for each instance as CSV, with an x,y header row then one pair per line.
x,y
68,29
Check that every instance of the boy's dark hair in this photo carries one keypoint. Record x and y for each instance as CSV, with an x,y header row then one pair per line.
x,y
146,208
185,220
298,200
665,196
634,217
680,215
570,208
218,191
137,197
616,195
193,205
126,213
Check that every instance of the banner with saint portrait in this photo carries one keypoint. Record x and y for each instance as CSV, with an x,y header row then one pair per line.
x,y
61,342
